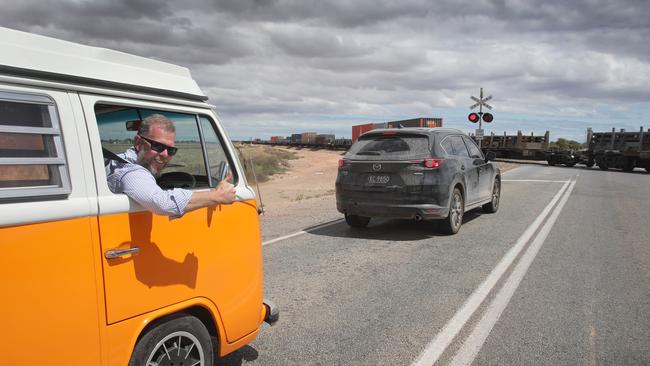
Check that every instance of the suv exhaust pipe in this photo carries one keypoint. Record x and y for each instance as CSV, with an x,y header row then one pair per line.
x,y
418,218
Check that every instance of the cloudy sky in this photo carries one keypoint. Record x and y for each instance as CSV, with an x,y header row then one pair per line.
x,y
276,67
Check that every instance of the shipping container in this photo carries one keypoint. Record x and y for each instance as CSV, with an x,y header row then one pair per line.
x,y
360,129
324,139
428,122
295,138
307,138
416,122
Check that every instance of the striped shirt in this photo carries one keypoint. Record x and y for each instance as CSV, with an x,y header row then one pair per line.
x,y
140,185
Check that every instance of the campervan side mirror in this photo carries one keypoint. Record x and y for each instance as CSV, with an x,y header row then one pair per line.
x,y
133,125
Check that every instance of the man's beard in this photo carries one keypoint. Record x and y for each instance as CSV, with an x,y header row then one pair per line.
x,y
147,164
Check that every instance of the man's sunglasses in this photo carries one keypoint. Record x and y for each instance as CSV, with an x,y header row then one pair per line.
x,y
159,147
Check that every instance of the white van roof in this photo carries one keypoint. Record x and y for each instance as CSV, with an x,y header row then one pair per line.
x,y
31,55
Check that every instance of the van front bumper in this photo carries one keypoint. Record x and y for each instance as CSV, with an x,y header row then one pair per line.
x,y
272,312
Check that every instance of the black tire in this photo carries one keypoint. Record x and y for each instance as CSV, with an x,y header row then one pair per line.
x,y
493,206
356,220
551,163
195,344
589,164
570,165
454,220
603,166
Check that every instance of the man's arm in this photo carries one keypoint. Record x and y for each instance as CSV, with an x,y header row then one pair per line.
x,y
141,186
223,194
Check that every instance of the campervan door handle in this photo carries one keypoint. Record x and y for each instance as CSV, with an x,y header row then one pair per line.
x,y
117,253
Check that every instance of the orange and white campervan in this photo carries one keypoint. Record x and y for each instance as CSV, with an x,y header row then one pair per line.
x,y
89,277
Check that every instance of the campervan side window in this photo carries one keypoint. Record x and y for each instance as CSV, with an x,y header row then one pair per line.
x,y
32,159
200,153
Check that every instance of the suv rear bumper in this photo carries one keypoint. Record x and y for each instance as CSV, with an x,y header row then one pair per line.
x,y
393,211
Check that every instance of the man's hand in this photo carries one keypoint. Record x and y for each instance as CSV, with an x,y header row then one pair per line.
x,y
225,192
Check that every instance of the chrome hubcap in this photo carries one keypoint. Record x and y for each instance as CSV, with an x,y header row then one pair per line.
x,y
178,348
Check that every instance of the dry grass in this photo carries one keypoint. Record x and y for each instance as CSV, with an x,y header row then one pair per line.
x,y
265,160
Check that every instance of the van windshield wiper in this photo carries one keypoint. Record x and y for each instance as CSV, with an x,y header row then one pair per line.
x,y
369,152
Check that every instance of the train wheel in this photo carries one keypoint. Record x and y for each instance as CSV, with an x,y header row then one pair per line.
x,y
628,165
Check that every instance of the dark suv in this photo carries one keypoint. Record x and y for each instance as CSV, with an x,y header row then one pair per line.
x,y
416,173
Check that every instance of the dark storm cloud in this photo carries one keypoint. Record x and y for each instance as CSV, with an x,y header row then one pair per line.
x,y
145,27
49,12
338,12
292,60
315,43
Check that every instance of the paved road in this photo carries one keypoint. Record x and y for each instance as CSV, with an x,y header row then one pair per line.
x,y
559,276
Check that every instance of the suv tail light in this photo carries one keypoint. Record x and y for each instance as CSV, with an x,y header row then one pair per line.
x,y
432,163
343,162
429,163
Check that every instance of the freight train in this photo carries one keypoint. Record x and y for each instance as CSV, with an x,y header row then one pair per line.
x,y
309,140
616,149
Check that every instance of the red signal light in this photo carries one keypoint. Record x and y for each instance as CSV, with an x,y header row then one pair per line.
x,y
473,117
342,163
487,117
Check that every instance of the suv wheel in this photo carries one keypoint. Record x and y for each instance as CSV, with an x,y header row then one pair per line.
x,y
356,220
456,209
493,205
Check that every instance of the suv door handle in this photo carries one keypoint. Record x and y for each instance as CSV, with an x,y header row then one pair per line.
x,y
117,253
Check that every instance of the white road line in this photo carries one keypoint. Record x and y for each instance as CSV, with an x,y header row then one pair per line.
x,y
534,180
467,353
305,231
443,339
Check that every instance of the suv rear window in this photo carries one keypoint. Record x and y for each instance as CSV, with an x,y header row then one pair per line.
x,y
390,147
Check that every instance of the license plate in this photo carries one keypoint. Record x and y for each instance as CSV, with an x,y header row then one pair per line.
x,y
378,179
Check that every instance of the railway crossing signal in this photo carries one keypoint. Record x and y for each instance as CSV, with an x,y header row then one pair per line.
x,y
480,116
487,117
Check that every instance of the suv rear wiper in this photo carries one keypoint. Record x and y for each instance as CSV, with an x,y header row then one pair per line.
x,y
369,153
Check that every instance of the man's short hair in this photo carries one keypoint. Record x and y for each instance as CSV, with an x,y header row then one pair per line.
x,y
156,119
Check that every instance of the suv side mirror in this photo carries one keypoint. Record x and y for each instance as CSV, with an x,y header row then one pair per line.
x,y
490,156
